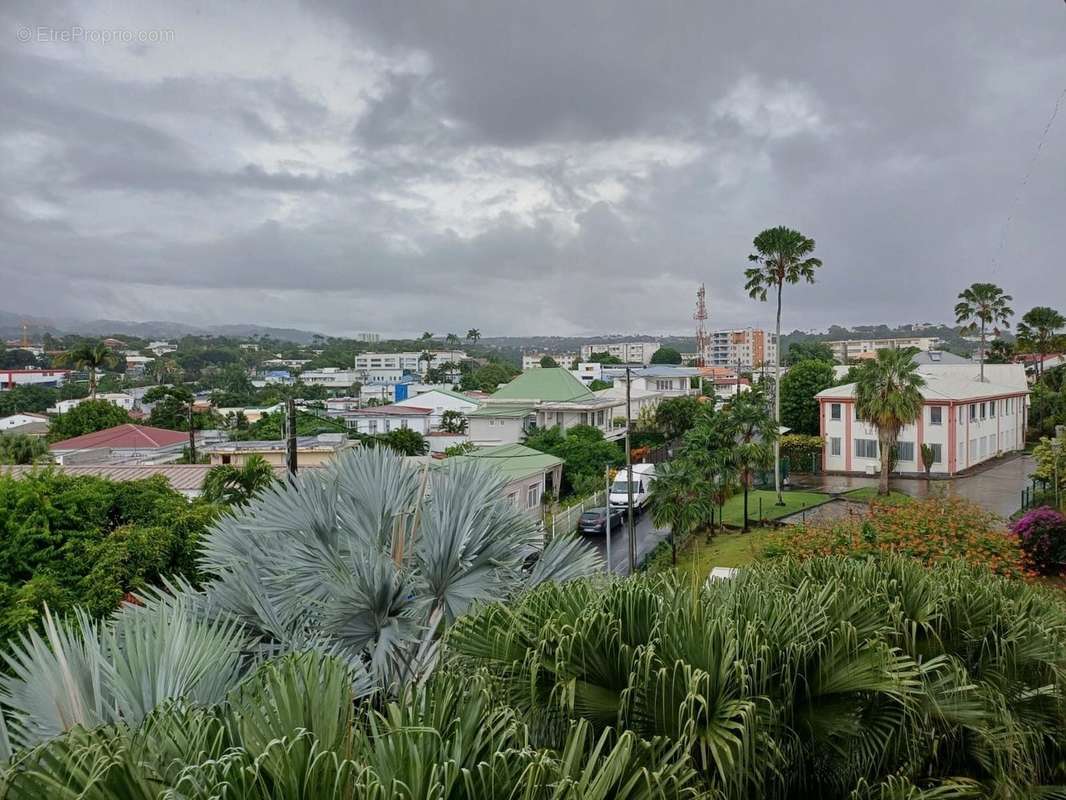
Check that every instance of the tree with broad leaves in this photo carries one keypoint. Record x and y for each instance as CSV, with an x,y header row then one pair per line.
x,y
782,256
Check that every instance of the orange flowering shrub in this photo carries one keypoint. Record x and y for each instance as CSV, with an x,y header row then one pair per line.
x,y
931,530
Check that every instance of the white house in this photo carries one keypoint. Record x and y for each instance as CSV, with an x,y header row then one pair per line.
x,y
383,419
439,401
666,380
587,372
964,420
120,399
10,378
24,422
330,377
543,398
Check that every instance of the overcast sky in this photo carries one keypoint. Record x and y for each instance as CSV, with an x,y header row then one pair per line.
x,y
555,166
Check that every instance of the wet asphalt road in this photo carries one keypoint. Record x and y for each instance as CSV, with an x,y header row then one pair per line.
x,y
647,536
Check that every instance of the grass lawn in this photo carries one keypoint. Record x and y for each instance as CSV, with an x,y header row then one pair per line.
x,y
868,493
733,511
725,550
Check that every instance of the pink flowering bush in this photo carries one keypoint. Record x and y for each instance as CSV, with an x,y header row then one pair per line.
x,y
1042,536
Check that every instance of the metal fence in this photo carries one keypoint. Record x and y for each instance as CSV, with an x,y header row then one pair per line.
x,y
565,520
1037,493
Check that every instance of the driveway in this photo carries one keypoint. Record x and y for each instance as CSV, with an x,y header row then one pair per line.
x,y
997,489
647,537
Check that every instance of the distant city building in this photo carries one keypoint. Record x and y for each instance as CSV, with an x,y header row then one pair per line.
x,y
751,347
34,349
10,378
120,399
331,377
848,349
311,451
564,360
370,338
411,361
161,348
627,352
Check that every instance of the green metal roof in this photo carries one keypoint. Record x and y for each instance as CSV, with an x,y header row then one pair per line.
x,y
552,384
513,460
502,410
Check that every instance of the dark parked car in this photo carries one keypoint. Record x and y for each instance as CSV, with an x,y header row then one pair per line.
x,y
594,520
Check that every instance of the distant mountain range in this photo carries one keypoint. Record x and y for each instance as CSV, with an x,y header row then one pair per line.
x,y
11,328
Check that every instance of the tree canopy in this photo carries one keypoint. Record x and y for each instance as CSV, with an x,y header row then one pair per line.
x,y
666,355
88,416
799,409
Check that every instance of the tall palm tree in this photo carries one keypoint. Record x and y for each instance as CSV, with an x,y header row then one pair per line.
x,y
368,559
888,396
680,500
452,339
473,335
90,357
754,435
981,306
783,256
427,335
238,486
1038,329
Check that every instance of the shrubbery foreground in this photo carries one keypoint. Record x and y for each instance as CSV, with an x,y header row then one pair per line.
x,y
831,678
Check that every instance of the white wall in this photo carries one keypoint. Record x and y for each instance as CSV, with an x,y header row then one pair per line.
x,y
384,423
495,430
439,402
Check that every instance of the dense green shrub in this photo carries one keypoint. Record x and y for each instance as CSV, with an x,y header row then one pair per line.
x,y
86,541
800,449
88,416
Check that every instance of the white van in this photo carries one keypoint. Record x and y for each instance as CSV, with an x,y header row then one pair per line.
x,y
643,477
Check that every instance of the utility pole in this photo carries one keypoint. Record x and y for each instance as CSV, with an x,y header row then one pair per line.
x,y
629,480
607,510
290,435
192,434
738,376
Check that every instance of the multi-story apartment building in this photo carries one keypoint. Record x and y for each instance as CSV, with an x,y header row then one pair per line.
x,y
564,360
964,420
848,349
751,347
628,352
410,361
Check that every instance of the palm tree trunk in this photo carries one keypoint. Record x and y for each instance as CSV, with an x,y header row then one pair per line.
x,y
777,407
886,458
745,501
92,382
982,351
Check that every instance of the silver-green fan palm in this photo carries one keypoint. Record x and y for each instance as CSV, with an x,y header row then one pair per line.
x,y
366,560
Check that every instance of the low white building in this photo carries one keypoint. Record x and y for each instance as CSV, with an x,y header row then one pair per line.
x,y
587,372
383,419
628,352
666,380
120,399
331,377
439,401
964,420
161,348
847,349
10,378
24,422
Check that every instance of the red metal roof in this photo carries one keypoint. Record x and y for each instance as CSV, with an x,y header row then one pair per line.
x,y
391,410
127,436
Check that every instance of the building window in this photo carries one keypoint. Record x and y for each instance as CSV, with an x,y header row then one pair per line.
x,y
905,451
866,448
936,415
834,445
834,411
984,410
512,498
973,411
372,426
938,453
533,495
992,409
226,459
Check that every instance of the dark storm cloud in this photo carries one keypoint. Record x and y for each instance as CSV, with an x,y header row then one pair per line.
x,y
549,166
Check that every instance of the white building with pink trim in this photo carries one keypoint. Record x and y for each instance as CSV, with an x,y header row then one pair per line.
x,y
965,421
